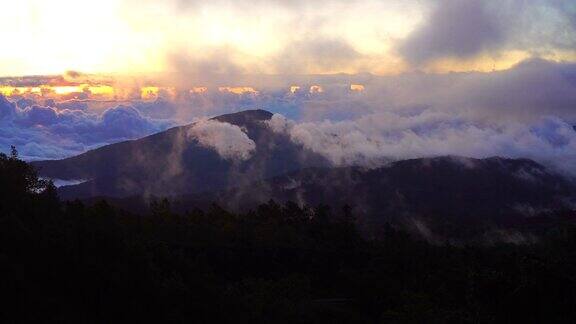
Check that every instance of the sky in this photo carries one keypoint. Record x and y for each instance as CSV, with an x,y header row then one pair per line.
x,y
358,81
282,36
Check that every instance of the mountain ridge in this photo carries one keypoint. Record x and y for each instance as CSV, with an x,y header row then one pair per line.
x,y
471,192
451,196
171,162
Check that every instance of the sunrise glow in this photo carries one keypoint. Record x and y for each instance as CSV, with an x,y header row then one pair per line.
x,y
288,161
125,36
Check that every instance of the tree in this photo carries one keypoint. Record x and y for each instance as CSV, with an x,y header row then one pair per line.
x,y
13,152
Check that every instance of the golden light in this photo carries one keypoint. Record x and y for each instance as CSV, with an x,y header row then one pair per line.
x,y
54,91
238,90
64,90
294,89
198,90
357,87
101,90
149,93
316,89
155,92
10,91
7,91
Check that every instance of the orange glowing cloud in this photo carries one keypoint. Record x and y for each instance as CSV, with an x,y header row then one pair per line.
x,y
357,87
238,90
316,89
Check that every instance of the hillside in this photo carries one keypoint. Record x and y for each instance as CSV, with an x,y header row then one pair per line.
x,y
174,163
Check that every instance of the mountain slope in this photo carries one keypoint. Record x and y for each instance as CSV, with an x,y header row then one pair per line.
x,y
174,163
448,191
442,194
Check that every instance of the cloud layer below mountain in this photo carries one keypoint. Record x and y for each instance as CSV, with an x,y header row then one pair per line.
x,y
528,111
41,132
525,112
378,138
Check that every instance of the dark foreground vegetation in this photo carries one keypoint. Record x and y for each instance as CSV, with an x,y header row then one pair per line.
x,y
64,262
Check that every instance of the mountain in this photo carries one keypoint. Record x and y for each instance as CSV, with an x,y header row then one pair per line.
x,y
174,163
442,197
446,194
440,194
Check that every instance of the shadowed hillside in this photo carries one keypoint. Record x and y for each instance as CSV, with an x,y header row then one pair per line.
x,y
278,263
172,162
442,198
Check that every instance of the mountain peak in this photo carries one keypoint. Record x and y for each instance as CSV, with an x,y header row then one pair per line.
x,y
245,117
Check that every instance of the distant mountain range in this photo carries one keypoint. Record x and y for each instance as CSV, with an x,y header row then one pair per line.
x,y
431,195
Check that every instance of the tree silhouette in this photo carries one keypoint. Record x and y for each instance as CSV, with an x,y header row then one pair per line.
x,y
283,263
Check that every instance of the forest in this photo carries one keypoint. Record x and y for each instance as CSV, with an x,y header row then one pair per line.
x,y
73,262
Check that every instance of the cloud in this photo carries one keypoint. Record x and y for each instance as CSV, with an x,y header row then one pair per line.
x,y
326,36
7,109
228,140
461,28
213,66
38,115
530,90
533,88
467,28
125,122
382,137
317,54
524,112
41,132
474,114
180,5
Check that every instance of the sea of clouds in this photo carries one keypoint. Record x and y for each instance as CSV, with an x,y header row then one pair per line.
x,y
528,111
44,132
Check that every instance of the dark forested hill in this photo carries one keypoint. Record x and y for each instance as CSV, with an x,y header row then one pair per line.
x,y
172,162
67,262
452,197
450,184
447,193
430,195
